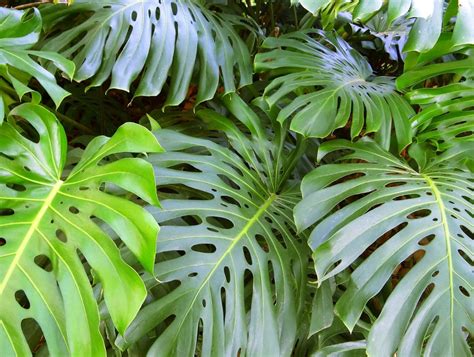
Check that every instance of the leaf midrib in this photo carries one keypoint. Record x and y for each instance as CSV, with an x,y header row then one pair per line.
x,y
29,234
449,256
237,239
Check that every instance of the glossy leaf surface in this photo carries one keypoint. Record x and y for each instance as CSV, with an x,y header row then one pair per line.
x,y
427,214
19,32
151,40
228,237
333,83
50,216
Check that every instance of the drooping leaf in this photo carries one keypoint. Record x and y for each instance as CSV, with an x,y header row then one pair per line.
x,y
227,243
428,214
149,40
19,32
342,87
48,215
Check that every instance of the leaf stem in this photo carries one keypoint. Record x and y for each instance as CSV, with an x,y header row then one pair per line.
x,y
32,4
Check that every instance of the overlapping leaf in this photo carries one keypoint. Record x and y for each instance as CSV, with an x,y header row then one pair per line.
x,y
430,16
149,40
19,32
341,84
228,249
446,117
48,217
427,213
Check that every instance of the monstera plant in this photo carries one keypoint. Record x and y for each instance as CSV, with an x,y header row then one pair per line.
x,y
236,178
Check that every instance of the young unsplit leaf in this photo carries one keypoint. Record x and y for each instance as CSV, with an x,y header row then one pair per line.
x,y
427,213
19,32
229,239
333,83
151,40
49,216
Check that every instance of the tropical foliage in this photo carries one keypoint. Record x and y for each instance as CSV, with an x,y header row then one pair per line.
x,y
236,178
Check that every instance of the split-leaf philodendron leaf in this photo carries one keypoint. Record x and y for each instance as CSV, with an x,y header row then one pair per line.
x,y
333,84
19,32
427,213
49,216
152,39
228,239
429,15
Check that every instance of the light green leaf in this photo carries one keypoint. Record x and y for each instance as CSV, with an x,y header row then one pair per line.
x,y
47,217
19,32
150,41
427,212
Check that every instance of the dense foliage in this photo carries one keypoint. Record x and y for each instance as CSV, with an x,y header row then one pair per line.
x,y
236,178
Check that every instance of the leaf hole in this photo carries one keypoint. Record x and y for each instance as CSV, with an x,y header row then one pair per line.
x,y
427,240
231,201
464,291
36,340
220,222
16,187
227,274
22,299
73,210
6,212
247,255
395,184
3,241
419,214
192,220
44,262
467,231
204,248
262,242
61,235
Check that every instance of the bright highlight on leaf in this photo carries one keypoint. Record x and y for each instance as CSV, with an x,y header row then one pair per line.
x,y
19,32
128,39
50,216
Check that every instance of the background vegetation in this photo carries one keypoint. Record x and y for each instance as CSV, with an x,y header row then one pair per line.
x,y
236,178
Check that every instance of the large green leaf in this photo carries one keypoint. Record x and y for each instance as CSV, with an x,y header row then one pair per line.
x,y
343,86
228,244
429,15
49,216
150,40
376,195
19,32
446,117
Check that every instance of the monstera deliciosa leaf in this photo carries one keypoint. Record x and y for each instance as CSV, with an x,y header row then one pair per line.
x,y
227,243
149,40
446,117
19,32
426,213
341,84
430,17
50,216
